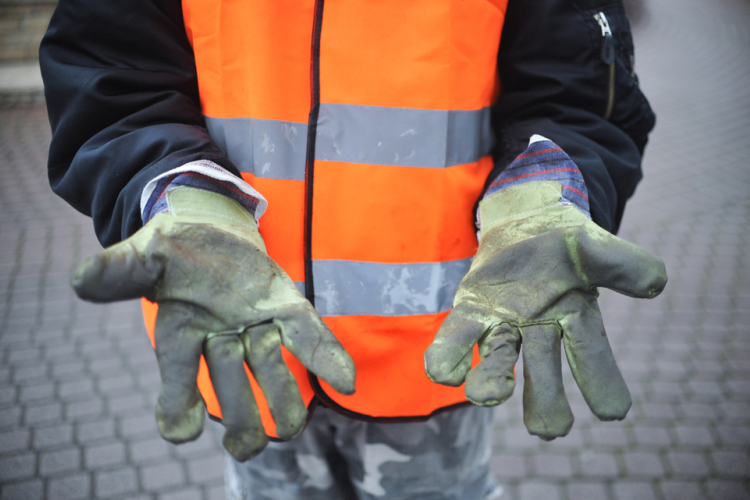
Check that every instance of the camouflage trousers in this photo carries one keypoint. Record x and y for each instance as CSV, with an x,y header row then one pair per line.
x,y
337,458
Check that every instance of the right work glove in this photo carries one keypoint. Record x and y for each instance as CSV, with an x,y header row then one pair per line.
x,y
220,295
534,282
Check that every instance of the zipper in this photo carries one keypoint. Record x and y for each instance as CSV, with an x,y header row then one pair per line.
x,y
608,56
312,133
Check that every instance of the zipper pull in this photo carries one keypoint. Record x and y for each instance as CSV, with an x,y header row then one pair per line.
x,y
608,44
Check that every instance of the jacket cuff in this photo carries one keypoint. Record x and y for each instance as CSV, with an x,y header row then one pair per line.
x,y
544,160
201,174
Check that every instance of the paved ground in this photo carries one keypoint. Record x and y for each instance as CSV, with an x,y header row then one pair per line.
x,y
78,382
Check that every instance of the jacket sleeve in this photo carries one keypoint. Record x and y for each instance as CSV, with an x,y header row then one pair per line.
x,y
559,80
122,97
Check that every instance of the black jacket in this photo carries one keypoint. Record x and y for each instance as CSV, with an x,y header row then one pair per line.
x,y
122,96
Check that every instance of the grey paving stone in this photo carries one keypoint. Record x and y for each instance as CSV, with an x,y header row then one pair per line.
x,y
734,435
55,435
7,395
16,467
88,408
49,412
149,450
735,410
116,482
192,493
126,404
657,411
609,435
38,391
83,386
508,465
698,411
629,490
217,493
138,425
676,490
104,455
119,382
546,464
94,431
727,490
652,436
694,435
598,464
643,464
9,417
72,487
58,461
14,440
203,470
26,490
731,463
687,464
162,476
587,491
538,490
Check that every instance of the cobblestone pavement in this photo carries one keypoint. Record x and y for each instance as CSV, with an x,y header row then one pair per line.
x,y
78,382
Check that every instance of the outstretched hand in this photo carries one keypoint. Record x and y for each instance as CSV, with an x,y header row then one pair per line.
x,y
220,295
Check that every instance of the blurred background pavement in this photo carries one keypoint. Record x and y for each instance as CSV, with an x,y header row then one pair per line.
x,y
78,382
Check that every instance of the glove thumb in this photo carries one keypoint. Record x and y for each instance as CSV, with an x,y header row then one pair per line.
x,y
120,272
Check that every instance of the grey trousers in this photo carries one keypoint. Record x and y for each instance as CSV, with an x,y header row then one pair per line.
x,y
337,458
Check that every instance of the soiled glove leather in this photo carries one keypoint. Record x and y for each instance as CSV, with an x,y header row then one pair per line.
x,y
222,296
534,281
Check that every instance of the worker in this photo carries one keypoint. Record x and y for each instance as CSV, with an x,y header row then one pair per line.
x,y
366,207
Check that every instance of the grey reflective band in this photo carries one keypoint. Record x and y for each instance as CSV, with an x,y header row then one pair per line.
x,y
270,149
358,134
348,288
402,137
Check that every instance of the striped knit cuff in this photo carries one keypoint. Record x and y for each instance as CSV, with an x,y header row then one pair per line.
x,y
203,175
544,160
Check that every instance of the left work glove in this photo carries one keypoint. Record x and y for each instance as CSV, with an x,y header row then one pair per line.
x,y
533,281
221,296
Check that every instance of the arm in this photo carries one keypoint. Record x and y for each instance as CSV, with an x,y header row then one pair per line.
x,y
128,134
555,80
122,97
533,282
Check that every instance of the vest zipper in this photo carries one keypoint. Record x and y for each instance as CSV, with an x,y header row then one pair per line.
x,y
608,56
312,127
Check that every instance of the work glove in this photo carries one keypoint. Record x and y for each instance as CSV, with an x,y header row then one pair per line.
x,y
220,295
534,281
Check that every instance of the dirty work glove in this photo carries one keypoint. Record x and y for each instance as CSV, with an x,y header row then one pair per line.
x,y
222,296
534,281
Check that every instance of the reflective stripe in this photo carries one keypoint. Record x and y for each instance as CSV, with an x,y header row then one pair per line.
x,y
347,288
401,136
272,149
358,134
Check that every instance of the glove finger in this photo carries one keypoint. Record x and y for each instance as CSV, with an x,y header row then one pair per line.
x,y
314,345
448,358
614,263
120,272
263,355
180,408
546,411
592,362
245,436
493,380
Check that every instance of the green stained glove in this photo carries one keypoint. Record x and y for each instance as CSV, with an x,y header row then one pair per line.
x,y
219,295
533,281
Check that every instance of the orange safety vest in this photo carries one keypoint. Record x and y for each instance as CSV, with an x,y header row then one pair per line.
x,y
366,125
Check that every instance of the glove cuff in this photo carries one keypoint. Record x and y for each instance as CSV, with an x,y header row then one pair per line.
x,y
199,206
